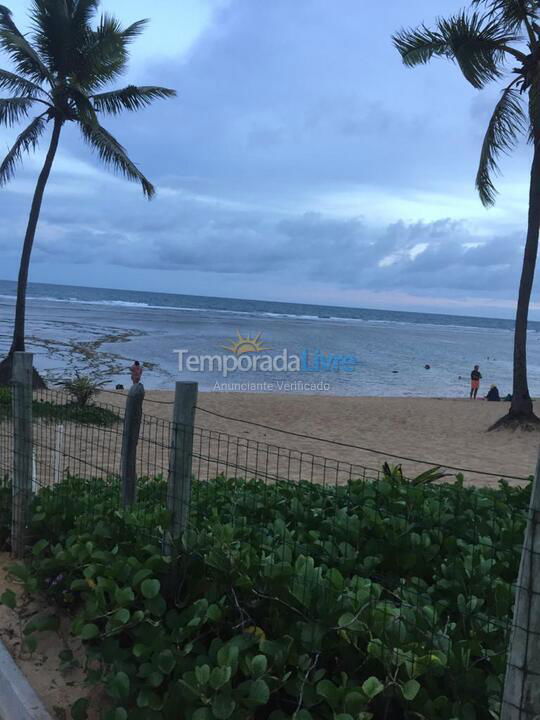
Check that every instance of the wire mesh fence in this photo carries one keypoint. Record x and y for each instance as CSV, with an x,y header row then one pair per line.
x,y
413,575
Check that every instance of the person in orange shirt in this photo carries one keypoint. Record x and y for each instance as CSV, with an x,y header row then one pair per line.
x,y
136,372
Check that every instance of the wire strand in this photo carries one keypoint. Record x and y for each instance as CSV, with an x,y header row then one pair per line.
x,y
339,443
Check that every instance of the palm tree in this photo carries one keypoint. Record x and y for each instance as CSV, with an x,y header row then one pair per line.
x,y
498,40
63,68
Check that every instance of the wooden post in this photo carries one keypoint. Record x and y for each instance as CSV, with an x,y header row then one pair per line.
x,y
58,463
521,698
179,481
35,484
130,440
22,449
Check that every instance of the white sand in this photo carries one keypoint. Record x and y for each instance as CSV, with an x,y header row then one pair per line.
x,y
442,431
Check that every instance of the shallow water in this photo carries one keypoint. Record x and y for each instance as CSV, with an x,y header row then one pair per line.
x,y
104,331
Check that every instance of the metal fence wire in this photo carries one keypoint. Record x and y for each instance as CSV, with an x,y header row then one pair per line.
x,y
421,571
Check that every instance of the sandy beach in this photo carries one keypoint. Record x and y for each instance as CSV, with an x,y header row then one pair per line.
x,y
442,431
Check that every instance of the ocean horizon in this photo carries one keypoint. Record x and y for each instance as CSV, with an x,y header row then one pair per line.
x,y
101,331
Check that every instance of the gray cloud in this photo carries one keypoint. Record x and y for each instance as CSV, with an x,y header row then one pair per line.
x,y
288,114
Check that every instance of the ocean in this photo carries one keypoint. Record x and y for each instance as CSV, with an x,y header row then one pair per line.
x,y
298,347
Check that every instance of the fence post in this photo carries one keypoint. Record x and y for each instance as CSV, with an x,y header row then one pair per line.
x,y
22,449
521,697
58,464
130,439
35,482
179,480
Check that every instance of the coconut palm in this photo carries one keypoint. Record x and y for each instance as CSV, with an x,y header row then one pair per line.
x,y
498,41
61,70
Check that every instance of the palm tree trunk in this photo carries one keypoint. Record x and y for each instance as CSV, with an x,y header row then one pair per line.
x,y
521,408
18,342
521,400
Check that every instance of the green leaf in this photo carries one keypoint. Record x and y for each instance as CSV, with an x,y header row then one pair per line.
x,y
150,588
155,679
79,585
223,707
122,616
336,578
214,613
9,599
354,703
120,714
202,714
259,692
166,661
89,631
124,596
202,674
19,571
79,709
140,575
39,547
372,687
228,655
157,605
329,691
119,686
148,698
90,571
259,665
410,689
220,676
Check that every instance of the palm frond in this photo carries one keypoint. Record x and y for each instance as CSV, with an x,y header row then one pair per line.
x,y
17,84
85,110
14,109
507,123
27,140
115,156
25,58
84,11
61,29
133,31
103,56
51,33
512,13
477,44
129,98
418,46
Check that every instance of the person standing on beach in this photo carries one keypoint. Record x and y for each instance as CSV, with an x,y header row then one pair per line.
x,y
475,381
136,372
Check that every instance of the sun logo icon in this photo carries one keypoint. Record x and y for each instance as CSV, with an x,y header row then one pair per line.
x,y
246,344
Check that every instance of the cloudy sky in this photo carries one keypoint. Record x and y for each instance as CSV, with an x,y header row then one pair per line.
x,y
301,161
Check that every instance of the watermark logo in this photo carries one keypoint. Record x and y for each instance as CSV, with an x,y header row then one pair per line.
x,y
248,353
246,344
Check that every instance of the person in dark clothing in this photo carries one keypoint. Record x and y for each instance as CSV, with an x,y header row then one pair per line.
x,y
475,381
493,394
